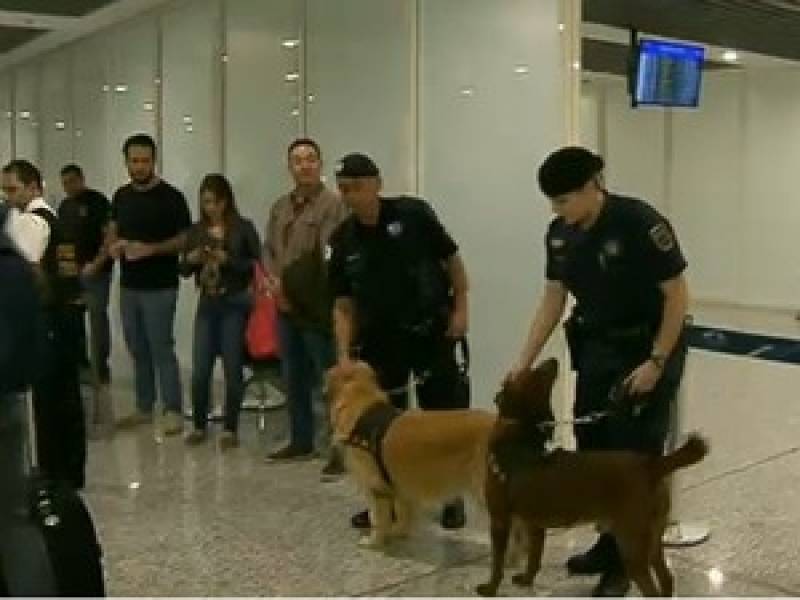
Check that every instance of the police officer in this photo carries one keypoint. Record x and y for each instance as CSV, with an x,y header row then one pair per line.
x,y
400,291
620,260
60,427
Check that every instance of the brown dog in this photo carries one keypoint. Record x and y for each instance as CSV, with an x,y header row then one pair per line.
x,y
625,491
428,457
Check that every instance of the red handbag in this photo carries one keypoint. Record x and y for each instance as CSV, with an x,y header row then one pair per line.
x,y
261,334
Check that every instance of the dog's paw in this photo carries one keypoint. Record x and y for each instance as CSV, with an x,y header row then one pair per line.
x,y
486,590
522,579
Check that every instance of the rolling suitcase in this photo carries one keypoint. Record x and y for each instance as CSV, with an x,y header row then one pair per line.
x,y
67,527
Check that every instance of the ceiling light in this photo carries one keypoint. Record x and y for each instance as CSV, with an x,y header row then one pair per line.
x,y
60,125
290,77
522,70
576,65
730,56
25,114
189,128
121,88
187,119
311,97
295,112
225,58
79,133
467,92
561,27
149,106
106,87
291,43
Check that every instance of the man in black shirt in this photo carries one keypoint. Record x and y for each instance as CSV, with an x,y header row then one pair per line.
x,y
149,221
60,426
620,260
400,291
84,215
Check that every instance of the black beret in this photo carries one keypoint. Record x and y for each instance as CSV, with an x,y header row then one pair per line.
x,y
567,170
356,165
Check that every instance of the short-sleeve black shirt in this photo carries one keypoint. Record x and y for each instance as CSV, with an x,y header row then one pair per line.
x,y
150,216
614,268
394,271
83,219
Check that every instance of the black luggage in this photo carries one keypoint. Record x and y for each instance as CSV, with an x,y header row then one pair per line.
x,y
67,528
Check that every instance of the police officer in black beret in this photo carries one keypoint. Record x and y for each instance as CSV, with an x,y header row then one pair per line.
x,y
620,260
400,290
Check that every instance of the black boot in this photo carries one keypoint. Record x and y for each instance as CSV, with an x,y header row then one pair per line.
x,y
598,559
453,515
613,584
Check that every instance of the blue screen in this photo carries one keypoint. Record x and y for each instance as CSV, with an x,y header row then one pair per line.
x,y
668,74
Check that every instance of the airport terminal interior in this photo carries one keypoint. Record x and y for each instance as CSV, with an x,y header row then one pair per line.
x,y
458,102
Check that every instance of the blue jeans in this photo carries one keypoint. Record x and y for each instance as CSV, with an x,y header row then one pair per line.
x,y
148,318
96,293
306,353
219,328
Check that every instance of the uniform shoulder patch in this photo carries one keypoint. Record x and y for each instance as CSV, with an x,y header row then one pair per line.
x,y
662,237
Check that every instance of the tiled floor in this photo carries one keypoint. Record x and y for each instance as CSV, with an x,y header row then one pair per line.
x,y
192,521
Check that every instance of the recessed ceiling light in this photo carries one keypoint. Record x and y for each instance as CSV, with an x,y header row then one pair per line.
x,y
61,125
561,27
289,77
121,88
291,43
716,577
25,114
522,69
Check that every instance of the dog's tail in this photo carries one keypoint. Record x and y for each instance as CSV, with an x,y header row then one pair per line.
x,y
690,453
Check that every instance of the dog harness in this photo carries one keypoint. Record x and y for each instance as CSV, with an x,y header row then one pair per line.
x,y
369,431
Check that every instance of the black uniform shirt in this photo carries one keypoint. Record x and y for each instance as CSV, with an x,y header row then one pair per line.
x,y
150,216
394,271
615,267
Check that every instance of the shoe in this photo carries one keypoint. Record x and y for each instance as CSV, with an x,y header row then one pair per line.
x,y
173,423
613,584
334,468
290,452
453,515
134,420
196,437
598,559
228,440
360,520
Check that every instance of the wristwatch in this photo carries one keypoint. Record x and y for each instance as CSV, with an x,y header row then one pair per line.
x,y
658,360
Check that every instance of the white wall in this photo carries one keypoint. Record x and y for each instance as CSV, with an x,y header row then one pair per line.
x,y
483,130
6,117
383,77
358,66
725,174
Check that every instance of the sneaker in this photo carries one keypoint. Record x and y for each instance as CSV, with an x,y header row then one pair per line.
x,y
196,437
613,584
134,420
173,423
228,440
290,452
334,468
597,559
453,515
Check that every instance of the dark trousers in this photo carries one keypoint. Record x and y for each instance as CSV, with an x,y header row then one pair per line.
x,y
430,358
25,568
60,425
639,424
96,347
219,328
306,353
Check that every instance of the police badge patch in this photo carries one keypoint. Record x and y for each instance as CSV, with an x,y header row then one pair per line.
x,y
662,237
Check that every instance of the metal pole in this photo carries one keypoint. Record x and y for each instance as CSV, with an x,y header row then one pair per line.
x,y
681,533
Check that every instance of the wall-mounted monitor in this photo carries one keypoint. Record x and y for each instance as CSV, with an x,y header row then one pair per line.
x,y
666,73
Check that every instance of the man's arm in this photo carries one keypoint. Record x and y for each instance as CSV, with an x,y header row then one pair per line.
x,y
547,316
343,327
459,320
673,316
